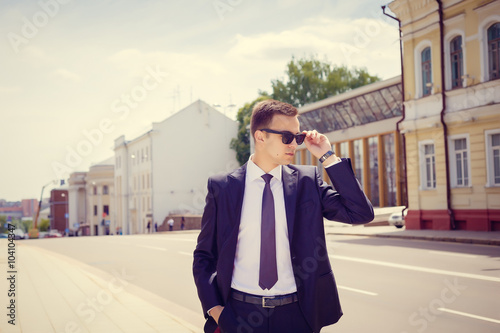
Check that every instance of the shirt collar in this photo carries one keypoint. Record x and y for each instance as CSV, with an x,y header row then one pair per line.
x,y
255,172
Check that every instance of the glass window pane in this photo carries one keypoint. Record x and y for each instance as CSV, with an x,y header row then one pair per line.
x,y
428,168
495,140
459,169
426,71
374,179
390,170
433,171
344,149
358,159
496,165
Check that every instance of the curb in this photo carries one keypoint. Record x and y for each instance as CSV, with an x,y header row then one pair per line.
x,y
493,242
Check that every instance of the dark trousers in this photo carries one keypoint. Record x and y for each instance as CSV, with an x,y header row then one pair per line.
x,y
241,317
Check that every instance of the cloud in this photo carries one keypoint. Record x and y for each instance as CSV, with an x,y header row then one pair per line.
x,y
180,66
66,75
359,43
9,90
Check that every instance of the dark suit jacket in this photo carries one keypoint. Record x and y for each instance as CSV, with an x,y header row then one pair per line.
x,y
308,199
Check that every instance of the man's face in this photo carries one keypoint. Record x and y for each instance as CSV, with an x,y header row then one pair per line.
x,y
275,151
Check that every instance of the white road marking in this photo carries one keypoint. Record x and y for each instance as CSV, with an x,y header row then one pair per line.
x,y
153,247
119,243
453,254
186,253
496,321
358,290
417,268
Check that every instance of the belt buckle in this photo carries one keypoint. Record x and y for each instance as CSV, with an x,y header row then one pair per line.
x,y
264,302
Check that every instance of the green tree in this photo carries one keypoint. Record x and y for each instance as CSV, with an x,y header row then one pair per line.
x,y
3,220
311,80
27,225
44,225
241,144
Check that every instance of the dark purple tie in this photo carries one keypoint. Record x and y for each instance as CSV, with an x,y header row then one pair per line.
x,y
268,274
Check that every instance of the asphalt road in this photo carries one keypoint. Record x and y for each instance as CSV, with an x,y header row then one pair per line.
x,y
385,285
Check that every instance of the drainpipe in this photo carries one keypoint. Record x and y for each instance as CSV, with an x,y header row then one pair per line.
x,y
443,110
402,109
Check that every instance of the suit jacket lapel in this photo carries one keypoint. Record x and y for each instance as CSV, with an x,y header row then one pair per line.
x,y
237,186
290,191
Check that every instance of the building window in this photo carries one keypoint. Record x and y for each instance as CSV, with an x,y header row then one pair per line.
x,y
426,71
459,161
344,149
493,157
373,163
95,210
358,160
428,158
456,56
95,190
390,170
105,210
494,51
105,189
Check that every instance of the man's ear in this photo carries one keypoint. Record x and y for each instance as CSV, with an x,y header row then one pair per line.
x,y
259,136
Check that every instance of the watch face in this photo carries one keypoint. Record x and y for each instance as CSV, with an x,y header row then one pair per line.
x,y
324,157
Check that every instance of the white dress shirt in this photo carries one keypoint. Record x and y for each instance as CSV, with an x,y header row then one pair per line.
x,y
247,259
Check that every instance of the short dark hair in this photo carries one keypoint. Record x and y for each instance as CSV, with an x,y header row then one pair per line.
x,y
263,113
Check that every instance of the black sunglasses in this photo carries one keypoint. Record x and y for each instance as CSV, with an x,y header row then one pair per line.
x,y
287,137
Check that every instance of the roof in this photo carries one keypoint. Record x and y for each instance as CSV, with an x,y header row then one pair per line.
x,y
367,104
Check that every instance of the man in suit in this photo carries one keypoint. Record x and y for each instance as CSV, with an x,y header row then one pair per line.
x,y
261,262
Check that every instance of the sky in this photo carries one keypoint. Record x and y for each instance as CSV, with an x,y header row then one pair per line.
x,y
75,75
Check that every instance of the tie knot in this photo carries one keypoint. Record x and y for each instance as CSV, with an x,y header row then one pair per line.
x,y
267,178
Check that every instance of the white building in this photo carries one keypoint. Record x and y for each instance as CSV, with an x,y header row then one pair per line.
x,y
165,170
91,200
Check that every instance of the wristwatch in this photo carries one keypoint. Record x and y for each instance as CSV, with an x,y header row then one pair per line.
x,y
327,154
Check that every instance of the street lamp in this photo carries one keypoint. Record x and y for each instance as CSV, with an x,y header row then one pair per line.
x,y
33,233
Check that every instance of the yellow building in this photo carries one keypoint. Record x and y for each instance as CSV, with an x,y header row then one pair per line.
x,y
451,117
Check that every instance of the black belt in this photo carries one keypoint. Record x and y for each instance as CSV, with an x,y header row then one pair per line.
x,y
264,301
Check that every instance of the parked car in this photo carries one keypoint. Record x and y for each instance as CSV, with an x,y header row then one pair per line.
x,y
53,234
19,234
397,219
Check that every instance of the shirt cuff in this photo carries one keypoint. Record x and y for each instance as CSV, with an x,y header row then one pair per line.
x,y
208,312
337,161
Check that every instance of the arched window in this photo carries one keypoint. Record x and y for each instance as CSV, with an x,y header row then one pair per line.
x,y
456,59
426,71
494,51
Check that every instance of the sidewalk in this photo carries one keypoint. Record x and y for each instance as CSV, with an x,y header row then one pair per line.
x,y
385,231
57,294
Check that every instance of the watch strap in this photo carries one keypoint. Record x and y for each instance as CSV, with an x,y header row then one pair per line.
x,y
326,155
